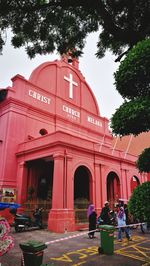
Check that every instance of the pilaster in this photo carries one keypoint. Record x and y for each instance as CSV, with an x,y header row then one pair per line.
x,y
21,183
58,185
98,188
61,216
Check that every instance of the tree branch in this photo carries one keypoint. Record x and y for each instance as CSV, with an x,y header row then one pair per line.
x,y
120,56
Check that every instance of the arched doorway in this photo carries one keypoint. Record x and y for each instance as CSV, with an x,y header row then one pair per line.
x,y
82,193
39,185
113,188
134,182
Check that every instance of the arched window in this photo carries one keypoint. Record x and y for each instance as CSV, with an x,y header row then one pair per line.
x,y
134,182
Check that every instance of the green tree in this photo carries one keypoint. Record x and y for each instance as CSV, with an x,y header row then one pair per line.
x,y
43,26
143,162
132,81
139,202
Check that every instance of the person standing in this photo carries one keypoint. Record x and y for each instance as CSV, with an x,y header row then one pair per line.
x,y
121,221
92,217
105,213
38,217
128,219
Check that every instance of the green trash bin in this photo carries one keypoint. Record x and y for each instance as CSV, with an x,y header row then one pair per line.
x,y
32,253
107,239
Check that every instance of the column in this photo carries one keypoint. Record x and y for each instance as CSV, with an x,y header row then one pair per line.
x,y
69,195
103,185
58,186
98,188
121,184
61,218
127,181
124,184
129,176
69,192
21,183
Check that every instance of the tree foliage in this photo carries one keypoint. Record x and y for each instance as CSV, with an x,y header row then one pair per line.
x,y
139,202
132,117
132,81
143,162
43,26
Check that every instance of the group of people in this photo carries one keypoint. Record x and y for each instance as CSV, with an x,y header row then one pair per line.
x,y
119,217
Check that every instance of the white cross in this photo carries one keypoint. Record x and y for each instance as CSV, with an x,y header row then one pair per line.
x,y
71,83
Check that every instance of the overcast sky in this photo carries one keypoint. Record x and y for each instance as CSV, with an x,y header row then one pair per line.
x,y
97,72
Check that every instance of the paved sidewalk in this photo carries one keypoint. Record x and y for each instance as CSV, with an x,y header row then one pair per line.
x,y
81,250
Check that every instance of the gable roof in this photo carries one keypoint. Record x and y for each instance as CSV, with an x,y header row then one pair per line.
x,y
132,144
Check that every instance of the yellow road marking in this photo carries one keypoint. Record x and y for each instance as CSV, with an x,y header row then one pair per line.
x,y
136,252
140,251
123,253
81,253
125,242
63,258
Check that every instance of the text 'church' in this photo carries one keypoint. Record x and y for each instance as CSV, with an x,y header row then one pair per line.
x,y
56,148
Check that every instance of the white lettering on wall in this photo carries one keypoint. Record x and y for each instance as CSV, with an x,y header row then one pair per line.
x,y
94,121
39,97
71,83
71,112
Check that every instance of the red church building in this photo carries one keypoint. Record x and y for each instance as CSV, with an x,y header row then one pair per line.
x,y
56,148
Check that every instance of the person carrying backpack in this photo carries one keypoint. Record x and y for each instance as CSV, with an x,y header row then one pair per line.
x,y
105,216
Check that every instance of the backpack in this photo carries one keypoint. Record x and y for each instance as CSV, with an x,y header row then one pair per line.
x,y
99,220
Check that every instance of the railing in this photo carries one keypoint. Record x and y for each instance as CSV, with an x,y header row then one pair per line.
x,y
80,207
81,216
36,203
30,206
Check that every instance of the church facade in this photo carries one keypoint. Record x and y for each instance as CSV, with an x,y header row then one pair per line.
x,y
56,147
